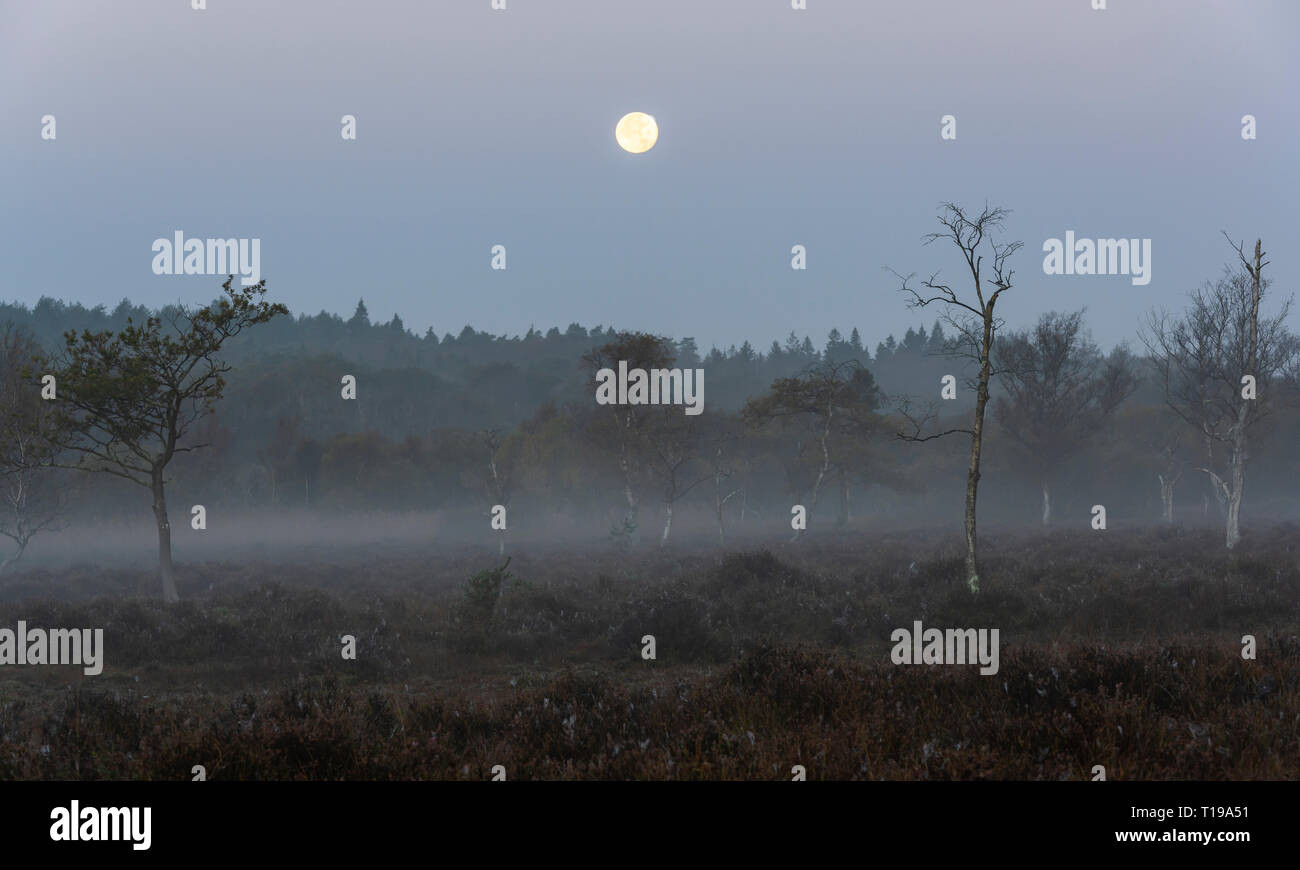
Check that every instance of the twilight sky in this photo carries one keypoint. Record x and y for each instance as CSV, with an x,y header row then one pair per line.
x,y
777,127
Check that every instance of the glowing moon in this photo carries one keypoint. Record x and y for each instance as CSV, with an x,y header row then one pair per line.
x,y
636,132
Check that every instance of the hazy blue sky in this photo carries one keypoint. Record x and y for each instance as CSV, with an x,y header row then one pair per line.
x,y
777,127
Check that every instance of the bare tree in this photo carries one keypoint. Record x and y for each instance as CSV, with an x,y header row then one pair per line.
x,y
1185,355
1060,390
33,492
971,316
1217,364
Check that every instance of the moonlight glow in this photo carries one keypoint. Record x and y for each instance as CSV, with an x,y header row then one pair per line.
x,y
636,132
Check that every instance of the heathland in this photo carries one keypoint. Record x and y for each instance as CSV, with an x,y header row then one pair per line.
x,y
1120,648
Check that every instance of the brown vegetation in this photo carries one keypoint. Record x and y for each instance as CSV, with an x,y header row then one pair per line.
x,y
1122,651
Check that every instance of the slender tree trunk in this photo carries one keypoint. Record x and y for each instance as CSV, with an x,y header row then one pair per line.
x,y
1233,530
1047,504
1166,498
1237,469
718,506
1237,472
626,466
13,558
499,490
821,476
844,499
1225,497
1215,490
164,539
668,523
16,496
976,445
821,472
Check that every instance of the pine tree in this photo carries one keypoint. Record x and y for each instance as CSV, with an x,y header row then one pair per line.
x,y
361,318
833,342
938,340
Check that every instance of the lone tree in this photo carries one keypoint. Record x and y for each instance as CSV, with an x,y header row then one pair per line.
x,y
1060,390
974,325
1218,363
127,400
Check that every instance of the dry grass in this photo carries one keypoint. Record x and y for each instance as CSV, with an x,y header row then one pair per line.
x,y
1122,650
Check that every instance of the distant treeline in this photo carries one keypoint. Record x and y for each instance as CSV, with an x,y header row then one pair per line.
x,y
466,421
475,379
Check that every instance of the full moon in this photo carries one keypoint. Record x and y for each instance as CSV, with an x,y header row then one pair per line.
x,y
636,132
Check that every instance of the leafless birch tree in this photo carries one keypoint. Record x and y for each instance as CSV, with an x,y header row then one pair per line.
x,y
971,315
1218,364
